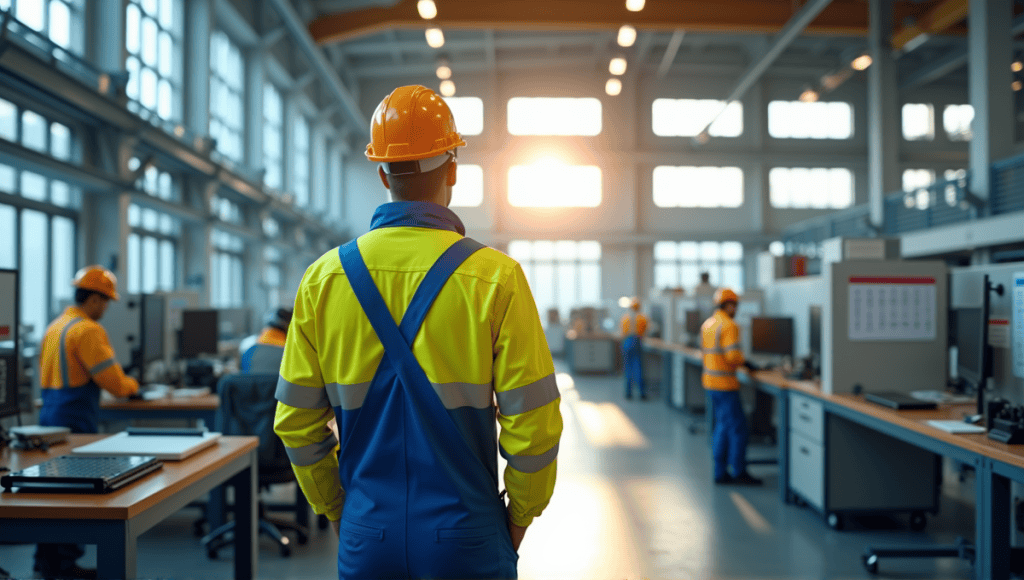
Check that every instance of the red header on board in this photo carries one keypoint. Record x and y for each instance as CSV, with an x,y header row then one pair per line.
x,y
891,280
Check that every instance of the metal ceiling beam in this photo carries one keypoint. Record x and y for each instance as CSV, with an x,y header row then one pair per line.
x,y
793,28
670,52
319,62
364,48
845,17
939,18
951,61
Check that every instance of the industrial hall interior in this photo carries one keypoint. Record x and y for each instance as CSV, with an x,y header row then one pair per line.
x,y
537,289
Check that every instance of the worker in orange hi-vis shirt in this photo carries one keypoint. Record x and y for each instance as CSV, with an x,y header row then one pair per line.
x,y
634,325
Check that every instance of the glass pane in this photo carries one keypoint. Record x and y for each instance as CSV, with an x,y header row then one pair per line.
x,y
33,131
134,215
918,122
469,187
590,283
31,12
150,264
554,116
550,183
666,275
60,141
167,14
8,179
565,250
543,286
543,250
8,244
60,24
589,250
134,264
8,120
133,66
732,276
689,274
63,266
166,54
688,117
165,100
60,194
568,287
665,250
710,250
149,42
147,88
520,250
689,251
150,220
33,186
132,28
697,186
732,251
956,119
34,304
468,113
167,265
799,120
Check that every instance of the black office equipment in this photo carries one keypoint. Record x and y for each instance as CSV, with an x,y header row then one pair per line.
x,y
968,322
199,333
898,401
10,349
815,332
693,322
154,313
771,335
73,474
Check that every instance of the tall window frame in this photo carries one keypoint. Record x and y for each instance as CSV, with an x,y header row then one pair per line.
x,y
227,96
697,186
154,237
832,120
227,270
62,21
301,147
154,33
679,264
273,136
562,274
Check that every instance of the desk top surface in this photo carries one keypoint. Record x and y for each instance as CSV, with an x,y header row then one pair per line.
x,y
124,503
202,402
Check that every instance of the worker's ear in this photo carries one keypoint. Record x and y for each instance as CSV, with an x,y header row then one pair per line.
x,y
452,170
383,177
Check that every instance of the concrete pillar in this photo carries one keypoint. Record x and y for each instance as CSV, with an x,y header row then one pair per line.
x,y
989,57
883,117
254,108
106,38
198,27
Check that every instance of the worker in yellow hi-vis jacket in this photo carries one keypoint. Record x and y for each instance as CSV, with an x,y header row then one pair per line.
x,y
408,335
722,356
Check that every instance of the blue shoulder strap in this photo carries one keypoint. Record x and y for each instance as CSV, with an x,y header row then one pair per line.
x,y
398,341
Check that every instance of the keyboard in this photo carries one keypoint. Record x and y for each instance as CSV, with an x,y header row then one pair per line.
x,y
70,473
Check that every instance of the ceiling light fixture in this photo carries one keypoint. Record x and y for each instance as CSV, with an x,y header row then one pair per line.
x,y
617,66
1017,85
448,88
1017,66
444,72
613,87
862,62
809,96
627,36
427,9
435,38
635,5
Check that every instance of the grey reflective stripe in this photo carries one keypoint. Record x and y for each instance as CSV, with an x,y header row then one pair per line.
x,y
528,397
300,397
63,352
718,336
720,373
530,463
733,347
309,454
99,368
713,351
455,395
348,397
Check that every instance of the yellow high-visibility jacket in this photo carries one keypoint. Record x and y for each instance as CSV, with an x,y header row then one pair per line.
x,y
481,341
720,342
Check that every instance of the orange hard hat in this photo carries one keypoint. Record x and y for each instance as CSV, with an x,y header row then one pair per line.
x,y
723,295
410,124
634,304
97,279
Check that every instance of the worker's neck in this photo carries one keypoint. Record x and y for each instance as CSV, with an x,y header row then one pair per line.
x,y
438,198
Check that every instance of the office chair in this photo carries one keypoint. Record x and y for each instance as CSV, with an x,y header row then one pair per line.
x,y
247,406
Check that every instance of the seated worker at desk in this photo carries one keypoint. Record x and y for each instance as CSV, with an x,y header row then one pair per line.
x,y
75,362
720,342
634,325
264,357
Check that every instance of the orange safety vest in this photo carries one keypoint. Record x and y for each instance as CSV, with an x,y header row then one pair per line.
x,y
720,342
75,351
272,336
634,324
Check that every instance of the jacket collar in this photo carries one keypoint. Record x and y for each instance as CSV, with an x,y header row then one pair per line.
x,y
416,214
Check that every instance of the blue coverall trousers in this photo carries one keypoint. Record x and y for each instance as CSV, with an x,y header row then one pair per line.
x,y
633,364
729,438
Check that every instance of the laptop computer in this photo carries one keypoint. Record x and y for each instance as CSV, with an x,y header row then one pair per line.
x,y
74,474
898,401
165,447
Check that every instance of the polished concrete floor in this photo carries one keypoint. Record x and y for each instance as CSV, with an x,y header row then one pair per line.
x,y
634,500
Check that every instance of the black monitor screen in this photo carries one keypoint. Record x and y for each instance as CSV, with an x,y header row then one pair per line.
x,y
815,334
8,385
154,312
199,331
693,322
771,335
968,343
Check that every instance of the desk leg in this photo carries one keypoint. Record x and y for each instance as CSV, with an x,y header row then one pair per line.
x,y
246,513
116,550
216,507
993,523
782,442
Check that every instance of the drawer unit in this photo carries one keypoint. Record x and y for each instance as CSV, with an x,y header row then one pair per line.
x,y
807,469
807,417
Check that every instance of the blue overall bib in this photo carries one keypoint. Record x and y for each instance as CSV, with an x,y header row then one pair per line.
x,y
77,408
421,500
632,364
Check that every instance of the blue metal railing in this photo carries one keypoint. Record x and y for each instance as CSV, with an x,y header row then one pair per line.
x,y
1007,189
941,203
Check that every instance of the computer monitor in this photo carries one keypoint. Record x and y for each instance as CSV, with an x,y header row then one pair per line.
x,y
815,332
234,323
9,346
199,333
969,331
154,309
9,385
693,322
771,335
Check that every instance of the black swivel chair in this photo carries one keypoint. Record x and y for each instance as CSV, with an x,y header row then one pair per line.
x,y
247,406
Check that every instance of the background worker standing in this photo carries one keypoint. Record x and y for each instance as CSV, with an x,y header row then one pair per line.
x,y
634,326
720,341
408,335
264,357
75,362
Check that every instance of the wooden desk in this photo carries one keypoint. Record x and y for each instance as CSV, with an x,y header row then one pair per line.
x,y
203,407
114,521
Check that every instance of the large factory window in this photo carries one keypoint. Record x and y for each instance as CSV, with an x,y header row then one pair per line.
x,y
679,264
562,274
153,33
551,183
918,122
227,91
60,20
300,159
956,120
273,137
810,188
697,186
554,116
468,113
469,189
800,120
688,117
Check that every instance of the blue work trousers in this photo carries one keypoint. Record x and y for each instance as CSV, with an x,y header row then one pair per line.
x,y
633,364
729,439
